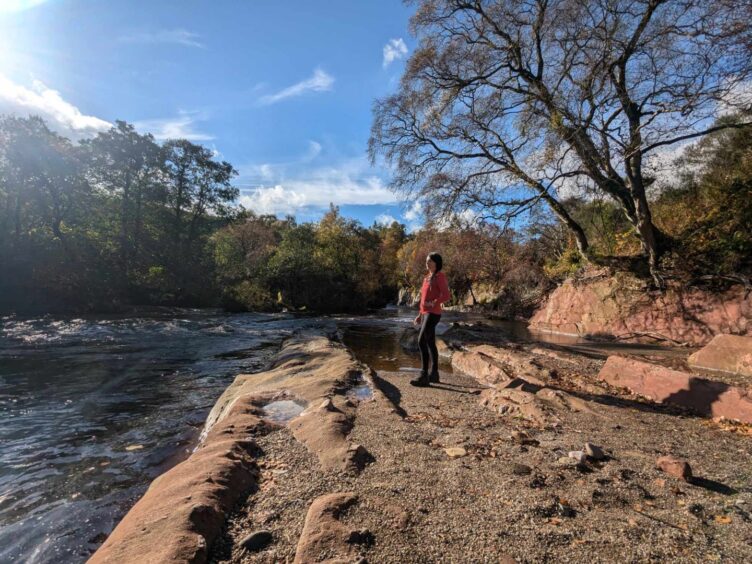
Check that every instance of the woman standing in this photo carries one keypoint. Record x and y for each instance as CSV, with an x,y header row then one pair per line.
x,y
434,292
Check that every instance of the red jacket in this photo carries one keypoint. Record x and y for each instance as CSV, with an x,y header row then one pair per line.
x,y
436,291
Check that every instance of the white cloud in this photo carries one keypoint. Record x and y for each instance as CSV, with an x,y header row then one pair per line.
x,y
170,36
385,219
314,150
18,5
395,49
40,100
181,126
320,81
414,212
291,189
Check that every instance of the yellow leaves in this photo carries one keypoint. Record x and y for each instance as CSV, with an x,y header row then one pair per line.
x,y
722,519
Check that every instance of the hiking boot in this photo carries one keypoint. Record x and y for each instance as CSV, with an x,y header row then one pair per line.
x,y
421,381
434,378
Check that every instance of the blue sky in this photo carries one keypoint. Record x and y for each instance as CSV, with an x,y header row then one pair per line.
x,y
282,90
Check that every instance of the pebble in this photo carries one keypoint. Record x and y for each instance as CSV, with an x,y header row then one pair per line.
x,y
455,452
521,470
522,438
594,452
566,461
257,540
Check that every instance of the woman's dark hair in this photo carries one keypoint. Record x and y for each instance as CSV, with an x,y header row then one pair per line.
x,y
436,258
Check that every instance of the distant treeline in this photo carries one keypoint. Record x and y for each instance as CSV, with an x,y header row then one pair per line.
x,y
120,220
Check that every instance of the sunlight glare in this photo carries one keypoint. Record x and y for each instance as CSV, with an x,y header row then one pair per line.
x,y
7,6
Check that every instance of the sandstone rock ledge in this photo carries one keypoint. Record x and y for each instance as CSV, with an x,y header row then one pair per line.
x,y
183,511
621,307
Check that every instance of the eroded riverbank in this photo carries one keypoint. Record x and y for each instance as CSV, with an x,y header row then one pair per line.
x,y
416,428
454,481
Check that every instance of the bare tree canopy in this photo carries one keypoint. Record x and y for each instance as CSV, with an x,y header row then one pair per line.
x,y
508,103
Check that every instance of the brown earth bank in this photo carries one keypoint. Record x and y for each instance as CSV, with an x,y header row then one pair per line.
x,y
521,453
608,306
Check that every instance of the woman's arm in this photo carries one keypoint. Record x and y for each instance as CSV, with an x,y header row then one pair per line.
x,y
443,289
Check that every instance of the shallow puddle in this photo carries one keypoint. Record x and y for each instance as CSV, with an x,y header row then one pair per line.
x,y
361,392
282,411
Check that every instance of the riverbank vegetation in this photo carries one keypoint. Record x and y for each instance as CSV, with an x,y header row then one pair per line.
x,y
540,138
507,105
121,220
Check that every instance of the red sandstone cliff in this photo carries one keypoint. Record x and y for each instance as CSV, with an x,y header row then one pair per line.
x,y
622,307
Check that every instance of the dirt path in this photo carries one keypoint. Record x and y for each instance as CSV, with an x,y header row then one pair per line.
x,y
503,501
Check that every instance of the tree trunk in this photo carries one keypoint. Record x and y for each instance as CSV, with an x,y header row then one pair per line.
x,y
651,239
575,228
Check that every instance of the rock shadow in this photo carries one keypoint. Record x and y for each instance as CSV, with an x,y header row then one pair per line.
x,y
700,396
712,486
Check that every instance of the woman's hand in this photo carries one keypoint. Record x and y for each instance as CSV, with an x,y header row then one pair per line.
x,y
416,321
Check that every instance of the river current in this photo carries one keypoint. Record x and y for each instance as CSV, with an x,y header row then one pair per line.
x,y
94,408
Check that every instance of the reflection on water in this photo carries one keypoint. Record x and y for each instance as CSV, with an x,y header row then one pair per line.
x,y
282,411
94,408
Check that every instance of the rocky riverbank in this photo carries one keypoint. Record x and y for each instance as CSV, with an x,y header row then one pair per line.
x,y
620,306
522,453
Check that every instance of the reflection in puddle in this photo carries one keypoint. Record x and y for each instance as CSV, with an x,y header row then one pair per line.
x,y
361,392
282,411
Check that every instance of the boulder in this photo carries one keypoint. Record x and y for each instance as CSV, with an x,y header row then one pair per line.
x,y
409,339
725,353
490,365
480,366
516,402
658,383
675,467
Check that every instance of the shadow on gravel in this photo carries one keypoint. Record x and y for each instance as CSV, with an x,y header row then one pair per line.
x,y
712,486
616,401
444,386
391,392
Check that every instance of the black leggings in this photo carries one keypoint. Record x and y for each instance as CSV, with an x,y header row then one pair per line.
x,y
427,343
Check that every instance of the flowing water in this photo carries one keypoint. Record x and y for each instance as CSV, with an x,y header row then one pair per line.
x,y
94,408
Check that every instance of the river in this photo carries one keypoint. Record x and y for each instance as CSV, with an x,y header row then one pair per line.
x,y
94,408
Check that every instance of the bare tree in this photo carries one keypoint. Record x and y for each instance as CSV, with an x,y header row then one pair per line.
x,y
509,103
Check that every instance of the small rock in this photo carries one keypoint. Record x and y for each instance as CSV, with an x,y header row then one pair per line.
x,y
594,452
522,438
327,405
578,455
257,540
521,470
455,452
675,467
566,461
537,482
